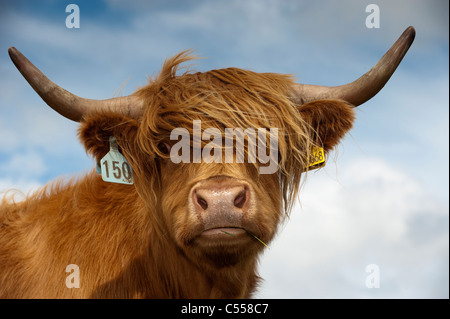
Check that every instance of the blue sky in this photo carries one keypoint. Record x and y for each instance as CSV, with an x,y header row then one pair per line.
x,y
382,198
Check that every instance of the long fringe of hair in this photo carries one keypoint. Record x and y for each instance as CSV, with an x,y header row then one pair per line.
x,y
227,98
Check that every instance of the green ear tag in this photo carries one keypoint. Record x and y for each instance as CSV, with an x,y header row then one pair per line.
x,y
115,167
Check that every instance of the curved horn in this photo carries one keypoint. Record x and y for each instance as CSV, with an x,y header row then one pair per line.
x,y
364,88
65,103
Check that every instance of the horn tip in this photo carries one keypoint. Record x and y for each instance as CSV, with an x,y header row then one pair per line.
x,y
409,34
15,55
12,51
411,29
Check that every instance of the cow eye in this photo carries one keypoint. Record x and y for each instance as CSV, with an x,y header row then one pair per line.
x,y
164,148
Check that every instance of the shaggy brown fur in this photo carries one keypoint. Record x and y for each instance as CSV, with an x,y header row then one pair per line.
x,y
139,241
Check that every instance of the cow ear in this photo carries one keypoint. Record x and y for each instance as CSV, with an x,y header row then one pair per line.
x,y
329,121
96,129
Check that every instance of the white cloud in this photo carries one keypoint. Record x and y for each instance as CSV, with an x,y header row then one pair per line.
x,y
373,214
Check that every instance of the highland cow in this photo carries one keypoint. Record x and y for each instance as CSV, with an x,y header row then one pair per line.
x,y
178,229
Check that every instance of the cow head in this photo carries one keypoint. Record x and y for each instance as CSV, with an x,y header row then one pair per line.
x,y
217,211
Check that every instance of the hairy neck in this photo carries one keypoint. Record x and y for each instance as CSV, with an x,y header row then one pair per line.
x,y
156,267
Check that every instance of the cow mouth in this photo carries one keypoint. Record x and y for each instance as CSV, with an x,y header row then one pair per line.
x,y
228,234
225,232
224,236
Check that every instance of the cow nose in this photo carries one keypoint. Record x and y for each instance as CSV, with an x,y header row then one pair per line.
x,y
221,202
217,197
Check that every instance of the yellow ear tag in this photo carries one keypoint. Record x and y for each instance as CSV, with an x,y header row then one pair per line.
x,y
115,167
316,159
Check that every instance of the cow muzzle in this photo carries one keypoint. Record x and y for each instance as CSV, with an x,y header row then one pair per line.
x,y
222,204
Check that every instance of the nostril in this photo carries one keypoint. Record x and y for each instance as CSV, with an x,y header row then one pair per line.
x,y
202,202
240,199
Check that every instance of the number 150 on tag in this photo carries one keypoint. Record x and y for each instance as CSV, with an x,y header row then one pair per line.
x,y
118,170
